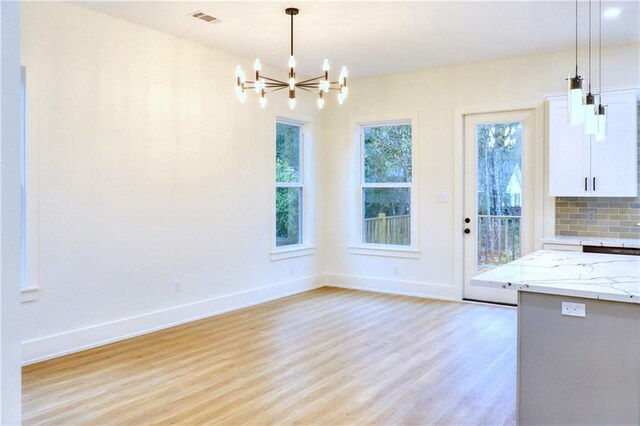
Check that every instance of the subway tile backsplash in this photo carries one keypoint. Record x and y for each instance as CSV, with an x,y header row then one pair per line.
x,y
614,217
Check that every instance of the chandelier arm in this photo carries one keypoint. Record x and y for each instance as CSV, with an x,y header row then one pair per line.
x,y
312,79
303,88
274,80
276,89
308,85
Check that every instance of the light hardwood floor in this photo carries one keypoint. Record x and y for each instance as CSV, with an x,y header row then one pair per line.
x,y
329,356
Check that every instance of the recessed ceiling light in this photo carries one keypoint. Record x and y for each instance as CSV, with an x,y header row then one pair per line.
x,y
611,12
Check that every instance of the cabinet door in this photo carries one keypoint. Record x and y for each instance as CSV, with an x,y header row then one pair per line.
x,y
614,161
569,154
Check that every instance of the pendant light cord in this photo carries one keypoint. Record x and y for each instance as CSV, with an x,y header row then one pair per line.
x,y
589,46
291,34
600,51
576,37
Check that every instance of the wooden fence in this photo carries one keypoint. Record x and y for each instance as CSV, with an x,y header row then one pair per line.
x,y
498,239
388,230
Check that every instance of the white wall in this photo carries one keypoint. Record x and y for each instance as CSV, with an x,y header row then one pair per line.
x,y
436,96
10,237
149,171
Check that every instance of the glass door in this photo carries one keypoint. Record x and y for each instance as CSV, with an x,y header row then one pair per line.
x,y
497,190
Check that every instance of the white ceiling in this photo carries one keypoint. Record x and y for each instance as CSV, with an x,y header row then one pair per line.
x,y
380,37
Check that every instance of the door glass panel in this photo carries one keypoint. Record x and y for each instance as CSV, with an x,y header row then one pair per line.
x,y
499,193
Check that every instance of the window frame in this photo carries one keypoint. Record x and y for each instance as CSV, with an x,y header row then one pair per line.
x,y
306,246
359,246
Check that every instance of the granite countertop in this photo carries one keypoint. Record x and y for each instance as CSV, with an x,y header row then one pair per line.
x,y
593,241
566,273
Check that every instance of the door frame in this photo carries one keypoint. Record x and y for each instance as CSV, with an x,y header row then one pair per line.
x,y
544,207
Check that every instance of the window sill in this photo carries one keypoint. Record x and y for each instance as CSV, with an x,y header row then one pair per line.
x,y
29,294
289,252
385,251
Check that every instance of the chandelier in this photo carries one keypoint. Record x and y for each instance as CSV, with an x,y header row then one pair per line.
x,y
264,85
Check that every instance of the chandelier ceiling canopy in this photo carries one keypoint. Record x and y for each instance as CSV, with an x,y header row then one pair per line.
x,y
263,85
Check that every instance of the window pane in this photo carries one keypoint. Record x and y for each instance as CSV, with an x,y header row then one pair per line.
x,y
387,154
287,153
387,216
288,216
499,186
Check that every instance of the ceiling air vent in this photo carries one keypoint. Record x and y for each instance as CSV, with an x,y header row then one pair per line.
x,y
204,17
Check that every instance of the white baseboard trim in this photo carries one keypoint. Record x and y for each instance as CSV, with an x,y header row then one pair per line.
x,y
89,337
399,287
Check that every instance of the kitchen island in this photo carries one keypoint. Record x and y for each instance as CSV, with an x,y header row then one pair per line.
x,y
578,336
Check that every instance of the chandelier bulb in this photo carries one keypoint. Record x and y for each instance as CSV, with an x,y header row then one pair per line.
x,y
292,83
240,74
320,103
292,103
340,98
292,62
243,97
263,101
325,65
257,65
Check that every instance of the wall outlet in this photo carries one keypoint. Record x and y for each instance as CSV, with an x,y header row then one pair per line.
x,y
396,269
574,309
177,286
591,215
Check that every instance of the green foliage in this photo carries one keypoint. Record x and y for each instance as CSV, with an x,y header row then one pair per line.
x,y
287,153
387,159
387,154
390,201
288,219
288,200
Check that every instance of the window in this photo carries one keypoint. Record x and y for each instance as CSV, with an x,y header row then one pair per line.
x,y
289,184
385,181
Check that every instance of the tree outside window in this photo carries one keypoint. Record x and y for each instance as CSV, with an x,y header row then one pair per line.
x,y
386,184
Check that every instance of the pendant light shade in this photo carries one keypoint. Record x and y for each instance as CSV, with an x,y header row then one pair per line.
x,y
590,120
575,109
601,132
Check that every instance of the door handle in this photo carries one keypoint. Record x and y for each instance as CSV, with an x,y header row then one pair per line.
x,y
594,184
586,180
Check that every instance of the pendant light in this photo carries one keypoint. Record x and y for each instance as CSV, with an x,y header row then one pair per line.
x,y
590,120
575,109
601,131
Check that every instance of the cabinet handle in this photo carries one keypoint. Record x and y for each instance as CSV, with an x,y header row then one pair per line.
x,y
586,180
594,184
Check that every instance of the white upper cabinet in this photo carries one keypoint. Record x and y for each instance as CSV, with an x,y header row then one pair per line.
x,y
580,166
